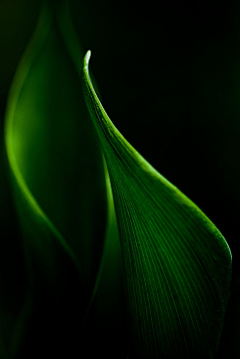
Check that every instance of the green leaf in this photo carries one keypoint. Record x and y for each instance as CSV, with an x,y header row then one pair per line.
x,y
59,185
105,321
176,263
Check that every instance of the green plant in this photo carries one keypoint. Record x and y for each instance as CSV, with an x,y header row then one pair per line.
x,y
176,264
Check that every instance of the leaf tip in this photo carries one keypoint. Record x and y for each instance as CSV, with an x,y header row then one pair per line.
x,y
86,59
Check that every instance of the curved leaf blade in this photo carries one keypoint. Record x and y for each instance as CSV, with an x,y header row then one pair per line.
x,y
176,264
59,188
105,320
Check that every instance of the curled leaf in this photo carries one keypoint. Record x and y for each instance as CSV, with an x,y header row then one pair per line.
x,y
176,263
59,185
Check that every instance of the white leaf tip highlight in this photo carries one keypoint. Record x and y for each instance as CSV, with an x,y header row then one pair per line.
x,y
87,58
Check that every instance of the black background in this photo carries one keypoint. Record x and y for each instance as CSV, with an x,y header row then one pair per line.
x,y
169,76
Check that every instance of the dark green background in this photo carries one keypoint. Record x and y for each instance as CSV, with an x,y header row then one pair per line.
x,y
169,77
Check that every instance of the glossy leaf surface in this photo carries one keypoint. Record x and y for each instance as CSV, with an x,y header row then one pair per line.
x,y
177,265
